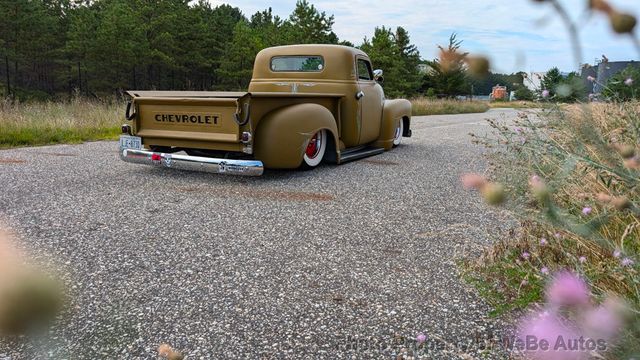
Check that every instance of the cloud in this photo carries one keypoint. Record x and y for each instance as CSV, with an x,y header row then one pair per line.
x,y
517,34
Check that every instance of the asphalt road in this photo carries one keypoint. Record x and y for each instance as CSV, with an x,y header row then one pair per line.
x,y
349,261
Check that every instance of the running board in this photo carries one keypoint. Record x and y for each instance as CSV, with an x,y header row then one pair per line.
x,y
359,153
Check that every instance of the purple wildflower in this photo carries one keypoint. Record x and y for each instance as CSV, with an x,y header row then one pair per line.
x,y
525,255
518,130
421,338
586,210
582,259
547,326
605,321
567,289
543,242
545,270
617,253
545,93
626,262
628,82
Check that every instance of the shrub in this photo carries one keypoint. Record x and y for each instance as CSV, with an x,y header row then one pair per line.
x,y
524,93
624,86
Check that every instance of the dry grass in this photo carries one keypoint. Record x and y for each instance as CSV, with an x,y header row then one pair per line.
x,y
517,104
78,120
426,106
576,151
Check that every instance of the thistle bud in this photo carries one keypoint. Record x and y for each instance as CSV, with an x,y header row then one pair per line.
x,y
604,198
30,301
632,163
539,189
473,181
478,66
626,151
622,23
621,203
493,193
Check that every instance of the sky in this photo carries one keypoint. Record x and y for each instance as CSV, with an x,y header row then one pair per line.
x,y
517,35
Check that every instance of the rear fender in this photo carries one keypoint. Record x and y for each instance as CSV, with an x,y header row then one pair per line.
x,y
392,112
282,135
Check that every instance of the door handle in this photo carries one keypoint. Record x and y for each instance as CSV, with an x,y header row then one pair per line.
x,y
359,95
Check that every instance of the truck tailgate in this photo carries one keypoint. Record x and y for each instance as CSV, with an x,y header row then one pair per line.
x,y
185,116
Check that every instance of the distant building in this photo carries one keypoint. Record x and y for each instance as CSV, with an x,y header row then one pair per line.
x,y
423,68
602,72
533,80
499,92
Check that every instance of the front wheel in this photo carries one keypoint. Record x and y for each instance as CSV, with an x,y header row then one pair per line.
x,y
397,137
314,152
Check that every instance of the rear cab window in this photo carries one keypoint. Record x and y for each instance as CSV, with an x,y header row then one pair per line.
x,y
364,70
297,63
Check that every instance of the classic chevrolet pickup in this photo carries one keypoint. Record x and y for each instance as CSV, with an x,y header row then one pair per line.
x,y
305,104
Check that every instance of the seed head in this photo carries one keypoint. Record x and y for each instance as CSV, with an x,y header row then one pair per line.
x,y
478,66
493,193
622,23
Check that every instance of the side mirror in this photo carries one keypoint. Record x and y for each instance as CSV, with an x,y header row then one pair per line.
x,y
377,76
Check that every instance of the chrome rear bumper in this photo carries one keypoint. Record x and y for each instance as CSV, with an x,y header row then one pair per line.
x,y
193,163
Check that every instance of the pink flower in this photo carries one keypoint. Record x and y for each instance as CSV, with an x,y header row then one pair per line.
x,y
586,210
628,82
548,327
626,262
557,235
525,255
543,242
545,93
421,338
473,181
582,259
591,78
545,270
567,289
605,321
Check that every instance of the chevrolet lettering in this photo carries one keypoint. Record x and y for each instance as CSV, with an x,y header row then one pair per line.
x,y
305,105
185,118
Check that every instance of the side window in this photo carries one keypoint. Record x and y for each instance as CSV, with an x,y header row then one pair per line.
x,y
364,70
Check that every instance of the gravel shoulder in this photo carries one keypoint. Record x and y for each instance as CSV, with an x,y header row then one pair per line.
x,y
349,261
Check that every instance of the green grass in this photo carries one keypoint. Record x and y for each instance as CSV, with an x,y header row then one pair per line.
x,y
43,123
425,106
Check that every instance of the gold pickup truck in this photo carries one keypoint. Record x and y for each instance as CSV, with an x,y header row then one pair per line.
x,y
305,104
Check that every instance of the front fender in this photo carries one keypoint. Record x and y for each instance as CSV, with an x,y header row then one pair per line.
x,y
282,135
392,112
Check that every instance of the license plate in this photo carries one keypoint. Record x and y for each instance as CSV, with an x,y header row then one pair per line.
x,y
130,142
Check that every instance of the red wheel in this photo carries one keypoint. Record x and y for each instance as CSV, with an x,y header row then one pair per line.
x,y
315,149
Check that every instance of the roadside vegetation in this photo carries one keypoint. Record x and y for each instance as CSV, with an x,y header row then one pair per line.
x,y
73,121
518,104
426,106
570,176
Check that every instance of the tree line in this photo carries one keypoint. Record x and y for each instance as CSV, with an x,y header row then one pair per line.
x,y
96,47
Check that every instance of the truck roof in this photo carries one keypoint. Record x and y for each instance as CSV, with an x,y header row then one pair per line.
x,y
338,64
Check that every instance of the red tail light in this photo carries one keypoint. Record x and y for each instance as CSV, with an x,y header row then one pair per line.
x,y
156,157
